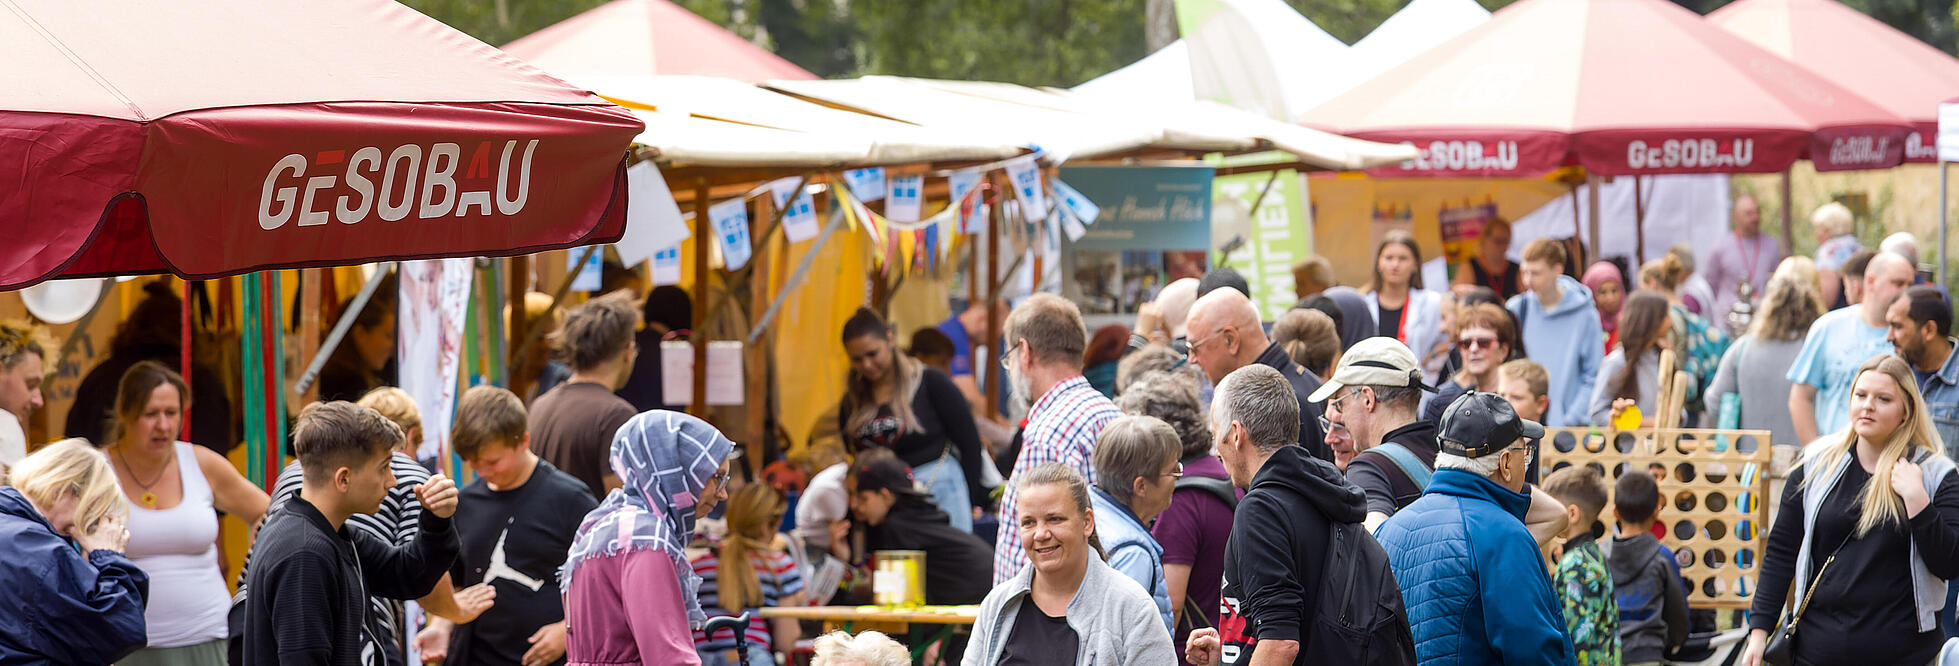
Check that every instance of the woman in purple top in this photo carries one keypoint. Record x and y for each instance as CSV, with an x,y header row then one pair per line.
x,y
1193,530
672,467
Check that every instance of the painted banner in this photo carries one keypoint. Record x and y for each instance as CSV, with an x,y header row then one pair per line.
x,y
1152,225
434,305
1267,240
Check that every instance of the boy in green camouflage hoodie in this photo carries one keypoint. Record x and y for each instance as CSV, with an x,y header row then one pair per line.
x,y
1583,583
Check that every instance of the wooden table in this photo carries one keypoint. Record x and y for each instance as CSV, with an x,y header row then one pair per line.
x,y
846,618
954,615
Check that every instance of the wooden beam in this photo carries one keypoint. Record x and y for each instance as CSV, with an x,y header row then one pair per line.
x,y
703,231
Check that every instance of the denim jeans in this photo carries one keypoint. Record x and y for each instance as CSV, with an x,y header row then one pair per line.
x,y
758,655
945,481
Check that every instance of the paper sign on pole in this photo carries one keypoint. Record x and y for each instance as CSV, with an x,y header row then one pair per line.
x,y
865,184
1080,206
731,231
1026,178
434,304
589,276
1948,140
724,372
799,219
904,198
666,266
653,220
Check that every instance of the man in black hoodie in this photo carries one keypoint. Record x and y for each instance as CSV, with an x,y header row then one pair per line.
x,y
311,575
958,566
1274,560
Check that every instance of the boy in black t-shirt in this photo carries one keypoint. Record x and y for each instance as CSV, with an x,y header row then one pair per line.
x,y
516,522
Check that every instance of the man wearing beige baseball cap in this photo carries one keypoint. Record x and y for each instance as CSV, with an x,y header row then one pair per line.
x,y
1375,393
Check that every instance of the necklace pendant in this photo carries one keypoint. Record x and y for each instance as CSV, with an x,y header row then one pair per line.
x,y
148,499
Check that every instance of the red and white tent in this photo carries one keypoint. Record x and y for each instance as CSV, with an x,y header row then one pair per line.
x,y
227,136
646,38
1905,76
1621,87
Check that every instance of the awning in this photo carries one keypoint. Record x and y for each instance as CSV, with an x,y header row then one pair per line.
x,y
228,136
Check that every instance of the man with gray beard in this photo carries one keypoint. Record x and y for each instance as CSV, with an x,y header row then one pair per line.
x,y
1045,338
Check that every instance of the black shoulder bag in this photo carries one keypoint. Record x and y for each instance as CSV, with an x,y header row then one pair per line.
x,y
1780,650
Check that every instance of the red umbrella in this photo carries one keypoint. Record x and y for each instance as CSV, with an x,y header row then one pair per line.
x,y
644,37
227,136
1622,87
1896,71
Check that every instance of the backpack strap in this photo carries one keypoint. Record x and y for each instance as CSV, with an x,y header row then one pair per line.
x,y
1215,486
1406,460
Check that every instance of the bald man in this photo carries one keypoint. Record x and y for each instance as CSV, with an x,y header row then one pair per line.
x,y
1225,334
1839,342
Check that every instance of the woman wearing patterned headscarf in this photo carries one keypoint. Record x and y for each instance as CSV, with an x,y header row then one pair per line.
x,y
671,467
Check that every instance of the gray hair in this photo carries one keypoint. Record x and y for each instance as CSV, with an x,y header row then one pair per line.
x,y
1902,244
1260,399
1130,448
1148,360
1173,398
1484,467
1405,397
871,648
1052,328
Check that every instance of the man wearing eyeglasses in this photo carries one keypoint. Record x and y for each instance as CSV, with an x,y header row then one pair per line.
x,y
1225,335
1374,394
1471,577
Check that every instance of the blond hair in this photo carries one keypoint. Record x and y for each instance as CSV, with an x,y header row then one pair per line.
x,y
395,404
19,338
871,648
754,513
72,467
1833,219
1878,505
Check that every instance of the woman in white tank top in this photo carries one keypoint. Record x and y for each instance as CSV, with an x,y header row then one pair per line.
x,y
173,488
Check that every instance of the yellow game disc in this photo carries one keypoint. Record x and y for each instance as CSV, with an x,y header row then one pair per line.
x,y
1629,419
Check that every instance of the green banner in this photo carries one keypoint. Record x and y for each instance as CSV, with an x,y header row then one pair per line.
x,y
1266,241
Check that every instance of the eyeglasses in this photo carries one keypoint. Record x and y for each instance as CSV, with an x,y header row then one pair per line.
x,y
1178,474
1194,343
1467,344
1335,403
722,478
1329,426
1006,358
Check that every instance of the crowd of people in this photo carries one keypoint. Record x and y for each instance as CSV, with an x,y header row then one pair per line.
x,y
1356,481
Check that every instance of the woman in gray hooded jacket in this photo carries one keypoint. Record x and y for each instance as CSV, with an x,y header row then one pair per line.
x,y
1068,600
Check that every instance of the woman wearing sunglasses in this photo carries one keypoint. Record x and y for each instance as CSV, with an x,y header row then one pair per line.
x,y
1486,338
1136,470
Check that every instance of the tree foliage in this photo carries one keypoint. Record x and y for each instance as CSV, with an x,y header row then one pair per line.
x,y
1032,42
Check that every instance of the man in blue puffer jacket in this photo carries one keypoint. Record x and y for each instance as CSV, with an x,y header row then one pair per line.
x,y
1475,587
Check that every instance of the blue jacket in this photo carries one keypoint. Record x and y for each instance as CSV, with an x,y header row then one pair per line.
x,y
1568,342
1132,549
1475,586
55,606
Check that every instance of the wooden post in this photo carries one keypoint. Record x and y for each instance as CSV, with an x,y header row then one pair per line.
x,y
993,369
1788,216
517,286
756,370
309,324
703,230
1598,243
1639,222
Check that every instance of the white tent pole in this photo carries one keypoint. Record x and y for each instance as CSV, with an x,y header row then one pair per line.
x,y
1942,222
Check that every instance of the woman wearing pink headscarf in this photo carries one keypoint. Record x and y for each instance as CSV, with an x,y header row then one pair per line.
x,y
1608,287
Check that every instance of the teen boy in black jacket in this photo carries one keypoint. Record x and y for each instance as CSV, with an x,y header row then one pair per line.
x,y
311,576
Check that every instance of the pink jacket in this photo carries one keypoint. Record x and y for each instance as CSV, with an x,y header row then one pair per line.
x,y
606,626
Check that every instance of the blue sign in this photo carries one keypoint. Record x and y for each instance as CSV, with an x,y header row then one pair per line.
x,y
1145,207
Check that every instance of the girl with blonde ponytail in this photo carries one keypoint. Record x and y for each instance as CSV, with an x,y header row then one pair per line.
x,y
1868,533
750,571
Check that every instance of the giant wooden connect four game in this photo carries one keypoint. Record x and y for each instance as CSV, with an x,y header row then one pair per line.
x,y
1714,487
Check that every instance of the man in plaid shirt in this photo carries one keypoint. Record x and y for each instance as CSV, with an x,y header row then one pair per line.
x,y
1045,338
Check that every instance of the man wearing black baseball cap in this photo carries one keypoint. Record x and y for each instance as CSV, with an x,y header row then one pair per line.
x,y
1470,574
958,566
